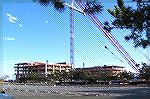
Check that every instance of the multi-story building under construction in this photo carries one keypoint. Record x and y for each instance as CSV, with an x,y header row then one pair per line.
x,y
23,69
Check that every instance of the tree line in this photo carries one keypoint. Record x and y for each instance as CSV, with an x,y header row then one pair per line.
x,y
81,76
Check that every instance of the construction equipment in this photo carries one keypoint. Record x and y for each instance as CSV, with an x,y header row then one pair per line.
x,y
100,26
111,39
72,8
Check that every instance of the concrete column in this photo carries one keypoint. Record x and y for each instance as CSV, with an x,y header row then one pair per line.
x,y
17,75
46,68
60,68
53,68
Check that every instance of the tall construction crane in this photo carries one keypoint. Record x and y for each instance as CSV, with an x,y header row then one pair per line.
x,y
100,26
72,9
72,34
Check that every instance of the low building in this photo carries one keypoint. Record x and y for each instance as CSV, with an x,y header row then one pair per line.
x,y
113,69
104,71
41,68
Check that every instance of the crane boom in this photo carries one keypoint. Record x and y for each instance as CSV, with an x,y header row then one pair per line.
x,y
112,40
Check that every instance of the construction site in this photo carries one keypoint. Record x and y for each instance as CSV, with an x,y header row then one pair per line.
x,y
23,69
36,36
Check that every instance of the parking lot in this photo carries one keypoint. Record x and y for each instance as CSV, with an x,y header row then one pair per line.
x,y
76,92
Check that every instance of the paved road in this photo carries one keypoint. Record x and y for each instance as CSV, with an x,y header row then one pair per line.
x,y
76,91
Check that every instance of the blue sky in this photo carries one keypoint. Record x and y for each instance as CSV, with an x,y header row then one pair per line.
x,y
32,32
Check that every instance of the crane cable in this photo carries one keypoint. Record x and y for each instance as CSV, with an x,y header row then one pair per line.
x,y
104,44
112,40
105,35
115,41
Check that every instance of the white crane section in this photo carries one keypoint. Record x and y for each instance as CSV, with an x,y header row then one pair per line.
x,y
74,8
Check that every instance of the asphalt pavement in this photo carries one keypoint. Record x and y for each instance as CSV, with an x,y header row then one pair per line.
x,y
76,92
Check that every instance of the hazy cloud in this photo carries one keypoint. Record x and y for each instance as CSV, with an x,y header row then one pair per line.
x,y
9,38
13,19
